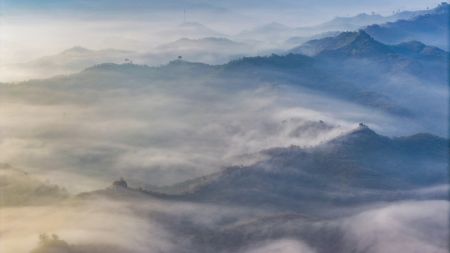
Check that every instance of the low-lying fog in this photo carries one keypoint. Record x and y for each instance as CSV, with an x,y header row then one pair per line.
x,y
155,226
62,139
82,137
163,133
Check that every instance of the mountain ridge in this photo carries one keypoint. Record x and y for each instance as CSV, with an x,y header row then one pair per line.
x,y
430,28
362,44
340,172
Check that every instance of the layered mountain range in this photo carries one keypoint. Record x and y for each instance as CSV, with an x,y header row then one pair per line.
x,y
247,143
200,43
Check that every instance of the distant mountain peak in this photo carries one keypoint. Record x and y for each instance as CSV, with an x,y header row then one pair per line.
x,y
276,25
430,27
76,49
361,45
205,39
362,17
443,7
361,135
194,25
351,37
217,39
193,30
191,24
361,34
362,129
351,43
269,29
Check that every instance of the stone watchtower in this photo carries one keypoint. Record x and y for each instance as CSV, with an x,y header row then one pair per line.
x,y
120,184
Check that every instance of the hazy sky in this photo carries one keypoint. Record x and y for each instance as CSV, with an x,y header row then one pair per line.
x,y
342,7
31,29
292,12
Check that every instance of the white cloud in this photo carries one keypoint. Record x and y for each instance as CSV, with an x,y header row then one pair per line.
x,y
282,246
420,226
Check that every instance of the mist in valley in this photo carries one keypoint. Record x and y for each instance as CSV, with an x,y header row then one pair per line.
x,y
190,126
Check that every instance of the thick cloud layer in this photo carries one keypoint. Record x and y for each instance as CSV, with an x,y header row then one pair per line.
x,y
282,246
409,226
83,223
149,225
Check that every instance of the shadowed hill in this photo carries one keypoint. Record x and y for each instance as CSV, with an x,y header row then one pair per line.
x,y
18,188
431,28
359,167
351,66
